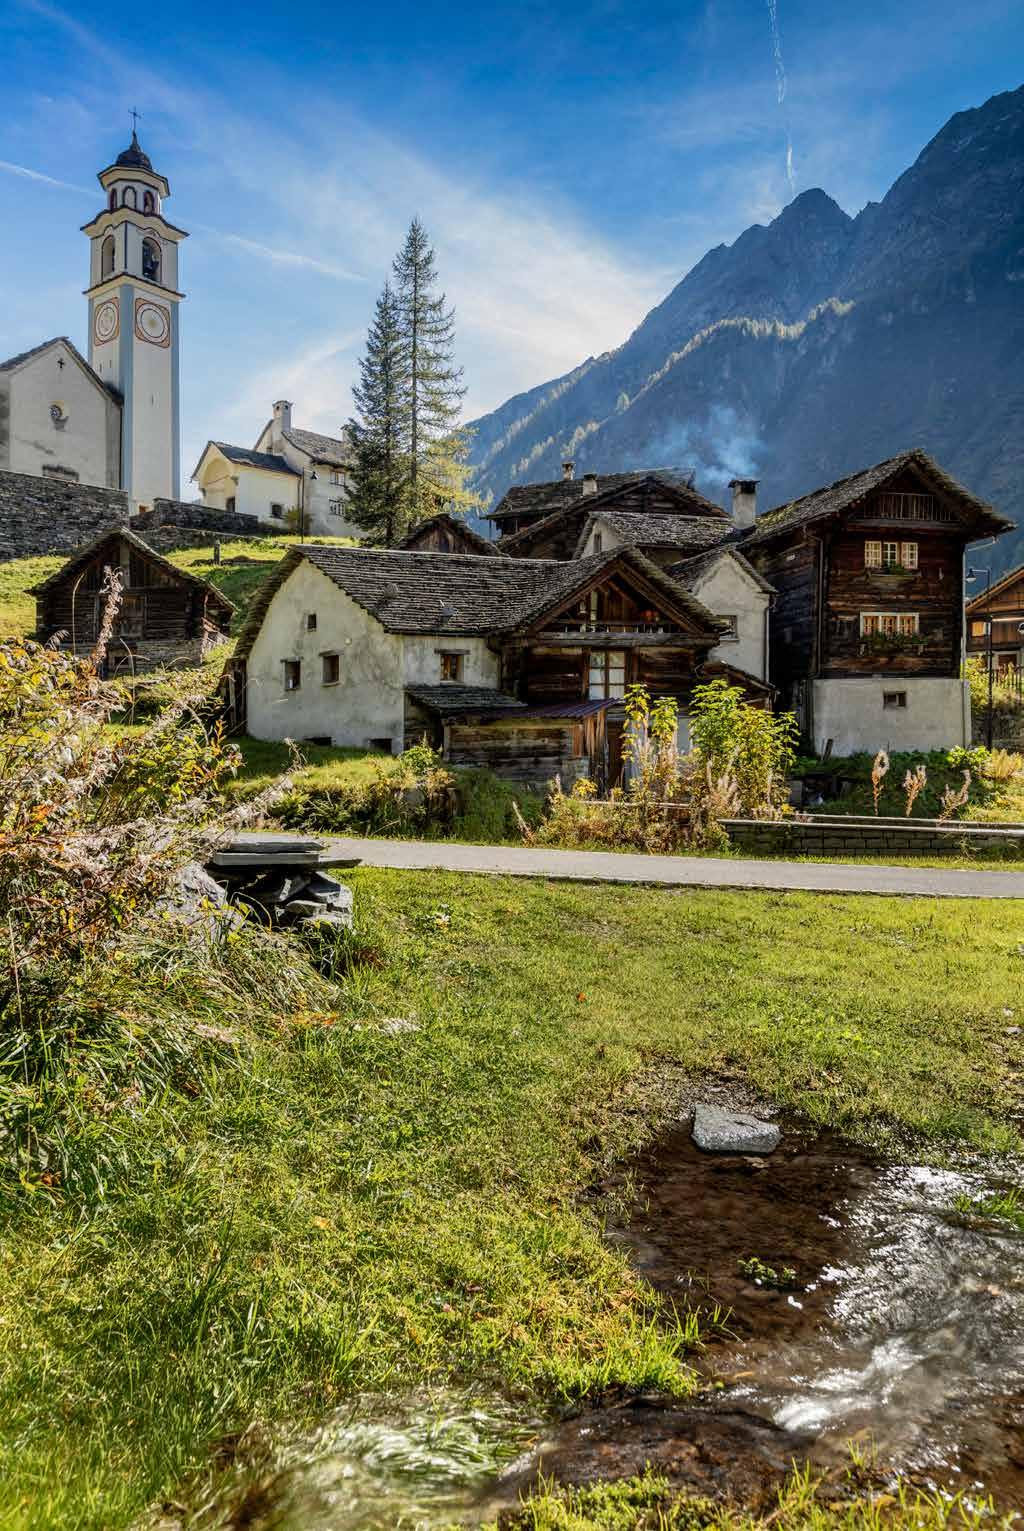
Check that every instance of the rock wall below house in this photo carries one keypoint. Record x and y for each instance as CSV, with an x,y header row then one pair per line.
x,y
49,515
203,518
853,835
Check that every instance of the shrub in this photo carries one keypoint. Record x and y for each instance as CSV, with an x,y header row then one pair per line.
x,y
94,829
735,742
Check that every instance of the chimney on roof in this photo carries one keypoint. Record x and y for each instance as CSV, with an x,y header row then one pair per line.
x,y
568,468
590,483
744,502
282,422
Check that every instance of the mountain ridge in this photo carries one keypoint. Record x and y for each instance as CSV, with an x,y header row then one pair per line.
x,y
818,343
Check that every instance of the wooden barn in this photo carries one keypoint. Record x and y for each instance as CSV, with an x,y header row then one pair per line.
x,y
448,534
166,616
867,625
1000,607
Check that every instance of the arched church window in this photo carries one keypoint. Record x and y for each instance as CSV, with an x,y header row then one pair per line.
x,y
107,257
128,200
151,260
112,199
148,202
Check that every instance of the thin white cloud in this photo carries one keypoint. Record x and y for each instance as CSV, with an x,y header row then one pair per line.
x,y
281,257
46,180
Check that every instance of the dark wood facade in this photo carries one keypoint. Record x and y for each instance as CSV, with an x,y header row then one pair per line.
x,y
868,584
165,615
547,533
1002,605
448,534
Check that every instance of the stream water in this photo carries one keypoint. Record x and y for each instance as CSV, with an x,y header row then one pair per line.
x,y
902,1329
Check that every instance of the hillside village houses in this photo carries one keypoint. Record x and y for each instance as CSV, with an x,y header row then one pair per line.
x,y
294,476
845,605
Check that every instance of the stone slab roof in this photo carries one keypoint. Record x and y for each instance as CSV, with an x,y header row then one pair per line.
x,y
248,457
690,571
659,531
561,493
84,554
452,700
462,594
456,524
334,450
847,492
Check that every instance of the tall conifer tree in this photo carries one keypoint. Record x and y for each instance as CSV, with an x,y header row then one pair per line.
x,y
437,446
380,494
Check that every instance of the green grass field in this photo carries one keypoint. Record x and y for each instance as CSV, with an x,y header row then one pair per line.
x,y
371,1182
244,565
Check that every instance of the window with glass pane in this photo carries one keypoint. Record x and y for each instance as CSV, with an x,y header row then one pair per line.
x,y
890,552
890,623
908,555
868,624
908,623
607,675
872,555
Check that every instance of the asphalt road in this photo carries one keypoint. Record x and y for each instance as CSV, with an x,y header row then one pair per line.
x,y
679,871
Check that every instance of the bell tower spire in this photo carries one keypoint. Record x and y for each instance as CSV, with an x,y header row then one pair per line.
x,y
133,319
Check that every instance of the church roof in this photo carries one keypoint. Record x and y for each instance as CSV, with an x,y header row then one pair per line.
x,y
13,362
134,157
334,450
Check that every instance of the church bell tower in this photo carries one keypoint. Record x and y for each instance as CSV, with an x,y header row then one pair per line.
x,y
133,321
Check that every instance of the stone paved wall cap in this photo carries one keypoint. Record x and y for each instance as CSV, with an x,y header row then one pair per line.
x,y
732,1132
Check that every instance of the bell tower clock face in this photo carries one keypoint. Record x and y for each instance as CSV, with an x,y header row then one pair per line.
x,y
152,322
105,323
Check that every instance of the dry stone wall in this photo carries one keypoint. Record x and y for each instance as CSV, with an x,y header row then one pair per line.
x,y
49,515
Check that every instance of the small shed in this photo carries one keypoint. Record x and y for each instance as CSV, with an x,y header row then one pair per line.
x,y
166,616
448,534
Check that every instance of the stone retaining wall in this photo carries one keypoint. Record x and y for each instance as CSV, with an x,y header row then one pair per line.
x,y
51,515
206,518
858,836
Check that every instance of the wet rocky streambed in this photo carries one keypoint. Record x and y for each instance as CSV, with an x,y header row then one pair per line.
x,y
899,1325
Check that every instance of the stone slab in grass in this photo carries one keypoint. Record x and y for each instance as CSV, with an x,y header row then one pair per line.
x,y
732,1132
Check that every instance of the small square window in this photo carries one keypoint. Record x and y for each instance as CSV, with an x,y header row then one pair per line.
x,y
336,507
292,674
331,670
451,666
894,698
731,633
277,511
598,542
311,621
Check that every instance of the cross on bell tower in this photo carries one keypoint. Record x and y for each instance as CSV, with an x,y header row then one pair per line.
x,y
133,319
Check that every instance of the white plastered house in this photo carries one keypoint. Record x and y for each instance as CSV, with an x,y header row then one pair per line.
x,y
291,475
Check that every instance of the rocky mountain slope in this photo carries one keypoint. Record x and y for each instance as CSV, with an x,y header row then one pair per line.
x,y
819,344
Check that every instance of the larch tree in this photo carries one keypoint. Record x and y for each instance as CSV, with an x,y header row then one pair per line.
x,y
380,495
438,445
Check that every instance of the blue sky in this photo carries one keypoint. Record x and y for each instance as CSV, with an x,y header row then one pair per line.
x,y
569,162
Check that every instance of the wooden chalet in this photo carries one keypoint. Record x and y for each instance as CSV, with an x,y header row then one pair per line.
x,y
448,534
1002,605
867,624
166,617
659,512
516,664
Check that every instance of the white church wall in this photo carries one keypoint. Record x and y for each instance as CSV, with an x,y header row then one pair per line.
x,y
152,413
367,703
85,439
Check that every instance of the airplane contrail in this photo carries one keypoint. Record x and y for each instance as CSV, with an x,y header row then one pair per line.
x,y
780,86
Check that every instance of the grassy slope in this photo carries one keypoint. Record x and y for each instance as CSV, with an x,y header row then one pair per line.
x,y
245,563
360,1205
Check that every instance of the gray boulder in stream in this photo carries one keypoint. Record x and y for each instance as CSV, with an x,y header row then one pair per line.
x,y
732,1132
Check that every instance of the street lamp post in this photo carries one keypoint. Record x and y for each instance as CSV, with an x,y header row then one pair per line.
x,y
973,574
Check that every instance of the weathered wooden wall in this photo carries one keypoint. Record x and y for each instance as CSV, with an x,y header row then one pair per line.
x,y
934,591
